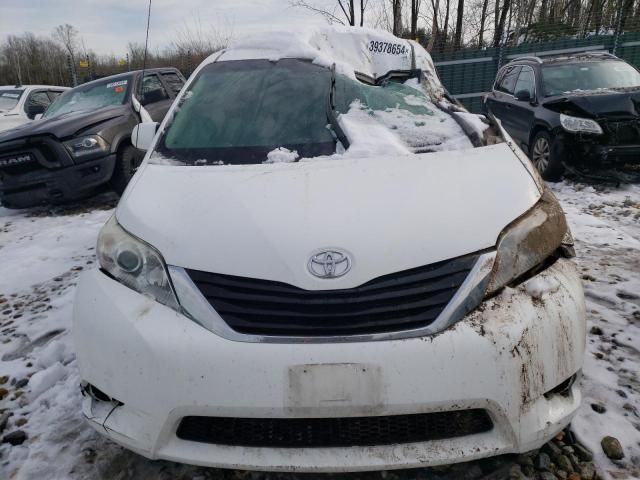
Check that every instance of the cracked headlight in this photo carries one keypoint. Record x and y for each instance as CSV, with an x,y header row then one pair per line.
x,y
580,125
85,146
134,263
529,242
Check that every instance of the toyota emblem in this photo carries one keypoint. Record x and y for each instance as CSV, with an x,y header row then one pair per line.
x,y
329,264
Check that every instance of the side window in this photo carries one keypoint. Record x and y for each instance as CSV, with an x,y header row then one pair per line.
x,y
152,90
526,81
508,81
53,94
174,82
36,103
499,77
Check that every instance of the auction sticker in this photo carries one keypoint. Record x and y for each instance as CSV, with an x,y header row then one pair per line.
x,y
117,84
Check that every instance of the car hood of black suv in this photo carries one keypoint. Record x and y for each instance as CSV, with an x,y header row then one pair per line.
x,y
597,103
67,124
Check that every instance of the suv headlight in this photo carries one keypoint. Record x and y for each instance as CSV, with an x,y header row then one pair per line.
x,y
529,242
89,145
134,263
580,125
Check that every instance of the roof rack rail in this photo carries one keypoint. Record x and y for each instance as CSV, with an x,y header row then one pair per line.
x,y
527,57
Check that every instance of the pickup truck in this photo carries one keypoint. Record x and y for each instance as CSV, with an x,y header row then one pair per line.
x,y
83,140
20,104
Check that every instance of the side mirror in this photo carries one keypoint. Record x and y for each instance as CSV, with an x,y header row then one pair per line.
x,y
33,110
142,135
523,96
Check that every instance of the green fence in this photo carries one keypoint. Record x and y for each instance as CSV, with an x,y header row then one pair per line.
x,y
469,73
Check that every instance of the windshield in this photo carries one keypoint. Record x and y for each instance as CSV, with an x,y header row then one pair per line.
x,y
91,96
9,99
403,109
589,76
238,112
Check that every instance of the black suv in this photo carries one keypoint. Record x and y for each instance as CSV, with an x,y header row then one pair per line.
x,y
83,140
579,113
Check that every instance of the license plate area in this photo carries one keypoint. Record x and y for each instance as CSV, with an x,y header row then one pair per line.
x,y
334,389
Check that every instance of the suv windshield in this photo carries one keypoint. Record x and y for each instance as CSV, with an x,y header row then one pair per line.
x,y
237,112
559,79
91,97
9,99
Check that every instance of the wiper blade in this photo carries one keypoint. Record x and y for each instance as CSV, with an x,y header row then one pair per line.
x,y
331,111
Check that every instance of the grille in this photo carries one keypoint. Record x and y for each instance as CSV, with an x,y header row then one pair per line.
x,y
17,169
626,132
333,432
400,301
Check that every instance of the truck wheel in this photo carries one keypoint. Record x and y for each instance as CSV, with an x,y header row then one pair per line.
x,y
127,162
545,158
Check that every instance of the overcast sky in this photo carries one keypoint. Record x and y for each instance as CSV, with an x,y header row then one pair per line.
x,y
108,25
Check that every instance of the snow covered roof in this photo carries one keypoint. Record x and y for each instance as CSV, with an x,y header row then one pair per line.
x,y
355,51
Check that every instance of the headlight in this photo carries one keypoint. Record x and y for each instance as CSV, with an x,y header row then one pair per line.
x,y
135,264
580,125
529,242
89,145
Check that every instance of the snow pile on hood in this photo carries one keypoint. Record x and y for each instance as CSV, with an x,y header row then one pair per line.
x,y
353,50
282,155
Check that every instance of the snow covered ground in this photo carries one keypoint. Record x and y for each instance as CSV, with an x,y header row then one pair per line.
x,y
42,252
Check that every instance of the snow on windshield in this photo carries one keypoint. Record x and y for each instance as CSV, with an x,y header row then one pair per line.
x,y
281,155
388,117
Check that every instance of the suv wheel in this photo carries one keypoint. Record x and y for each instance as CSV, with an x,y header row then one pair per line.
x,y
544,157
127,162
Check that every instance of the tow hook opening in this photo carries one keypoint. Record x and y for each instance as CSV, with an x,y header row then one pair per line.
x,y
563,389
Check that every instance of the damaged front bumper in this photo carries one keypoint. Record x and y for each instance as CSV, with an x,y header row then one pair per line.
x,y
150,368
594,156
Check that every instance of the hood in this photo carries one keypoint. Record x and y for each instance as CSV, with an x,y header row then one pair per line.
x,y
67,124
598,104
387,214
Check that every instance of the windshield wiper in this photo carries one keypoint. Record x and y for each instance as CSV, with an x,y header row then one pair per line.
x,y
331,111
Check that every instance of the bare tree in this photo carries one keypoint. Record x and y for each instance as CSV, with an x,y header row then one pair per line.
x,y
499,31
342,12
67,35
483,18
460,13
415,11
434,26
396,10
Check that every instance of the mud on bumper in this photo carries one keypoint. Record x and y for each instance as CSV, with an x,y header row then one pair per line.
x,y
155,368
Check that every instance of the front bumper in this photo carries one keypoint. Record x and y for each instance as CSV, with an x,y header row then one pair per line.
x,y
44,186
589,151
503,358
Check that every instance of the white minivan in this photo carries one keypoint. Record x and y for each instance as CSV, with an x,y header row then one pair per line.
x,y
325,264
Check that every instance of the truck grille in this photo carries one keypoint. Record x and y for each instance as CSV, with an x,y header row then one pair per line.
x,y
400,301
333,432
18,163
